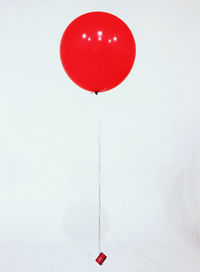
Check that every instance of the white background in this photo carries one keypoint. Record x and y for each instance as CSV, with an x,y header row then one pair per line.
x,y
150,136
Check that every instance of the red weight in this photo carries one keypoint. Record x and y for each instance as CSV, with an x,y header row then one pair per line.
x,y
101,258
97,51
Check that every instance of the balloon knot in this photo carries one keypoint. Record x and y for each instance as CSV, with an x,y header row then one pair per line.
x,y
96,93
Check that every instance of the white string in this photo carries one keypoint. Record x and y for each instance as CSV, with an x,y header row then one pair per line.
x,y
99,144
99,178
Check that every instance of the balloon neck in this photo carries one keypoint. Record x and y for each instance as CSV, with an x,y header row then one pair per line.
x,y
96,93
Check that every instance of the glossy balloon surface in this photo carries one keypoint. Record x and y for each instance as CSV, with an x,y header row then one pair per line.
x,y
97,51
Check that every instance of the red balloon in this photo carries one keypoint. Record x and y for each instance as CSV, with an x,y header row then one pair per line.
x,y
97,51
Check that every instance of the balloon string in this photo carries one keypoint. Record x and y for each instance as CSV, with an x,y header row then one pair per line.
x,y
99,182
